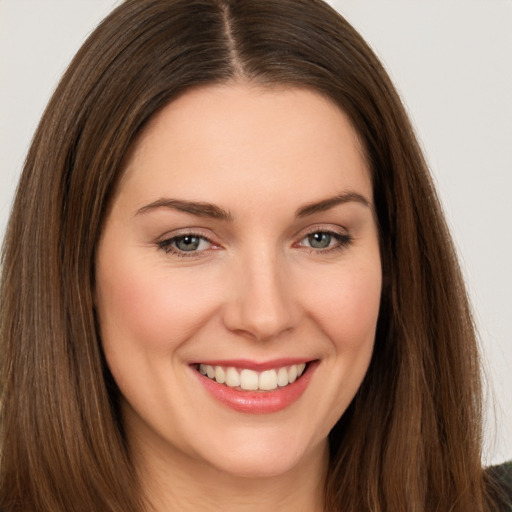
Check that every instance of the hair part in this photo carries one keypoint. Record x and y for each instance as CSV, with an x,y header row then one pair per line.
x,y
411,436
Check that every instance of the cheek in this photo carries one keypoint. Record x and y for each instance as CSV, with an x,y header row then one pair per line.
x,y
151,306
347,306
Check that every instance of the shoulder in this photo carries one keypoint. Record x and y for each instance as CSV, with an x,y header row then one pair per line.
x,y
501,475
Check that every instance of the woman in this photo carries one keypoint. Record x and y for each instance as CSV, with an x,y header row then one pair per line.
x,y
227,281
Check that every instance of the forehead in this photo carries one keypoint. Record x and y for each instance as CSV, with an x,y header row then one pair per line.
x,y
213,138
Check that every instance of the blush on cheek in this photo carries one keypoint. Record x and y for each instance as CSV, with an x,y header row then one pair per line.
x,y
348,312
153,309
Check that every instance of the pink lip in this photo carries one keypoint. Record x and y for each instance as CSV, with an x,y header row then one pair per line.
x,y
257,402
254,365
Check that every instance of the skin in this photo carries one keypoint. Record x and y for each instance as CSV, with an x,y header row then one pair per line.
x,y
254,289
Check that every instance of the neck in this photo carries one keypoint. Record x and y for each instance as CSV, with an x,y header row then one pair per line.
x,y
173,484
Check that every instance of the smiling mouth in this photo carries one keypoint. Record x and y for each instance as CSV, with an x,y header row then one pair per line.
x,y
244,379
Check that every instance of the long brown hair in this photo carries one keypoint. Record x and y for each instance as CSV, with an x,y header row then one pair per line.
x,y
411,438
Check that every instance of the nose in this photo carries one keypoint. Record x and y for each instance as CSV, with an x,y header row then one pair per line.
x,y
262,304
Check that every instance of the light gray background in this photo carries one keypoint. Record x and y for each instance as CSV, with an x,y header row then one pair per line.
x,y
452,63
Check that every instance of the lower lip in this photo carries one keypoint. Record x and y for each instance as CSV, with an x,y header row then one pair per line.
x,y
259,402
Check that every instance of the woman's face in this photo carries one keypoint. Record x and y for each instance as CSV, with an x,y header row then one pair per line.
x,y
242,244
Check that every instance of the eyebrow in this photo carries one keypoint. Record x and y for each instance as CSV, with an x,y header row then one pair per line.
x,y
202,209
195,208
331,202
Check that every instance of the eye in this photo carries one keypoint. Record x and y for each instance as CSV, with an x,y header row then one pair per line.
x,y
325,240
189,243
319,240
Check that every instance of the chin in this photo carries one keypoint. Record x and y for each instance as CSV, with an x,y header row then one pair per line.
x,y
265,456
258,467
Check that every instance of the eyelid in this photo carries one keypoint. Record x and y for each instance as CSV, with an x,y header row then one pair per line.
x,y
322,228
165,242
342,235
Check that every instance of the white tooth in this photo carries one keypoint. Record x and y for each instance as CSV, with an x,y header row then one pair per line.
x,y
282,377
300,369
202,369
210,371
248,380
232,378
292,373
268,380
220,375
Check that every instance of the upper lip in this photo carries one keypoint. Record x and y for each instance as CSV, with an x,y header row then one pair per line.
x,y
257,366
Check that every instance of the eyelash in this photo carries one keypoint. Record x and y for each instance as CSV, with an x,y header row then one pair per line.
x,y
343,240
167,247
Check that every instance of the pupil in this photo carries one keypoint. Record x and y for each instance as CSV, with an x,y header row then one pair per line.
x,y
188,243
319,240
